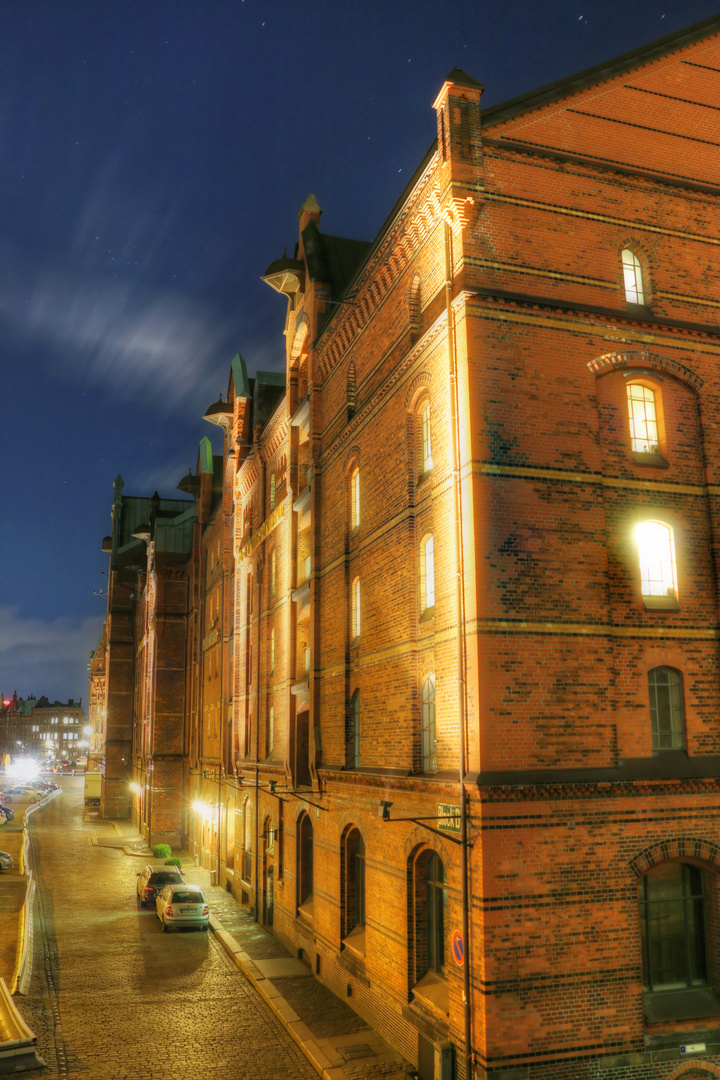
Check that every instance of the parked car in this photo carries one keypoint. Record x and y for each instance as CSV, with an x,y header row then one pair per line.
x,y
7,812
6,861
182,905
20,794
153,879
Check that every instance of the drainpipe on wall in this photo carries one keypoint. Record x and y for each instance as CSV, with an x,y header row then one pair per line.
x,y
460,622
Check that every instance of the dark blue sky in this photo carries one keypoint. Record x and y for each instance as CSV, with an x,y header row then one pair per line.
x,y
153,158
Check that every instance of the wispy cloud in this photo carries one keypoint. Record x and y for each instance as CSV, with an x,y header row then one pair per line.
x,y
46,657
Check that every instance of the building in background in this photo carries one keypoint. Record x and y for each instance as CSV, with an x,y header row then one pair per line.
x,y
49,733
451,681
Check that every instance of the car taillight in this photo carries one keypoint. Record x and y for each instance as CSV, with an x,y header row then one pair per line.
x,y
206,910
149,890
169,911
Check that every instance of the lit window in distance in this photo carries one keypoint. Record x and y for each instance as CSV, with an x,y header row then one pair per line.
x,y
656,549
643,419
632,278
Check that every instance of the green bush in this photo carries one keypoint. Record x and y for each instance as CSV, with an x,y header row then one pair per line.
x,y
162,851
174,861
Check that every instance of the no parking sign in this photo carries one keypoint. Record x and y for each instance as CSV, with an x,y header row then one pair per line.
x,y
458,948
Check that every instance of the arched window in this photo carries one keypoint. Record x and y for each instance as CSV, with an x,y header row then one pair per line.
x,y
304,861
656,550
355,729
426,461
427,574
429,752
355,602
672,913
666,710
272,490
632,278
355,499
644,432
272,650
247,840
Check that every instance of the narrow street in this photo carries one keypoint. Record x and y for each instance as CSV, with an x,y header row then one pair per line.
x,y
111,996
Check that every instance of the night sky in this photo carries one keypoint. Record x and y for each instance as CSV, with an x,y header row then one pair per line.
x,y
153,158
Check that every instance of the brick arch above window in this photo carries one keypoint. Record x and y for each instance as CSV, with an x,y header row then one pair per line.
x,y
418,388
693,1070
421,842
639,360
679,847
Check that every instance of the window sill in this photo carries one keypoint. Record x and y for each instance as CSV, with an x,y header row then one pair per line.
x,y
424,476
428,614
653,460
355,941
306,912
661,603
432,991
661,1006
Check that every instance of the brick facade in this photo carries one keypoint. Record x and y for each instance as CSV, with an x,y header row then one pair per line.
x,y
422,565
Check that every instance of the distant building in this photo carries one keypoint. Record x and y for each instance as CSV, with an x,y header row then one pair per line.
x,y
451,678
33,727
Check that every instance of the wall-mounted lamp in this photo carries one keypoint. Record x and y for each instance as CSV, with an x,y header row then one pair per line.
x,y
384,811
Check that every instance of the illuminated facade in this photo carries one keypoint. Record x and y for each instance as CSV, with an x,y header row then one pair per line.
x,y
452,692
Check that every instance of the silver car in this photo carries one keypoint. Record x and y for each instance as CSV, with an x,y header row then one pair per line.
x,y
182,905
6,861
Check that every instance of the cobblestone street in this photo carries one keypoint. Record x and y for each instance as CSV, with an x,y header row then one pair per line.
x,y
111,996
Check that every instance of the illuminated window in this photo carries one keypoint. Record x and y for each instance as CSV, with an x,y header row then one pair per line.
x,y
632,278
272,651
355,730
271,731
666,711
656,548
427,573
272,573
425,439
643,419
355,499
272,490
429,753
355,590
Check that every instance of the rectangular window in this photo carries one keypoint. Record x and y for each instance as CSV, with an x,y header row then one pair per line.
x,y
643,419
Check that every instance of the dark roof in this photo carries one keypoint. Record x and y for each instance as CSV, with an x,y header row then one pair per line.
x,y
572,84
332,259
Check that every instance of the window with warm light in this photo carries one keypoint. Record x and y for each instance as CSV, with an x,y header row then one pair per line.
x,y
658,571
272,572
642,411
272,490
355,499
355,591
271,731
632,278
427,574
272,651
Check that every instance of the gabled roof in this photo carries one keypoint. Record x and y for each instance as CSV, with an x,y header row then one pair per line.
x,y
582,80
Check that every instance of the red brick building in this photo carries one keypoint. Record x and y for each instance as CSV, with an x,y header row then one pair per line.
x,y
470,688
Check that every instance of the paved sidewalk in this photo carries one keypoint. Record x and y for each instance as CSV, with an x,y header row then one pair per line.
x,y
336,1041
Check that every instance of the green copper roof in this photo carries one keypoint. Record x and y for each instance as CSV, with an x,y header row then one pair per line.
x,y
206,455
240,377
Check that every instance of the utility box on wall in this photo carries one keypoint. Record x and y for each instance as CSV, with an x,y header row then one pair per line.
x,y
435,1060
